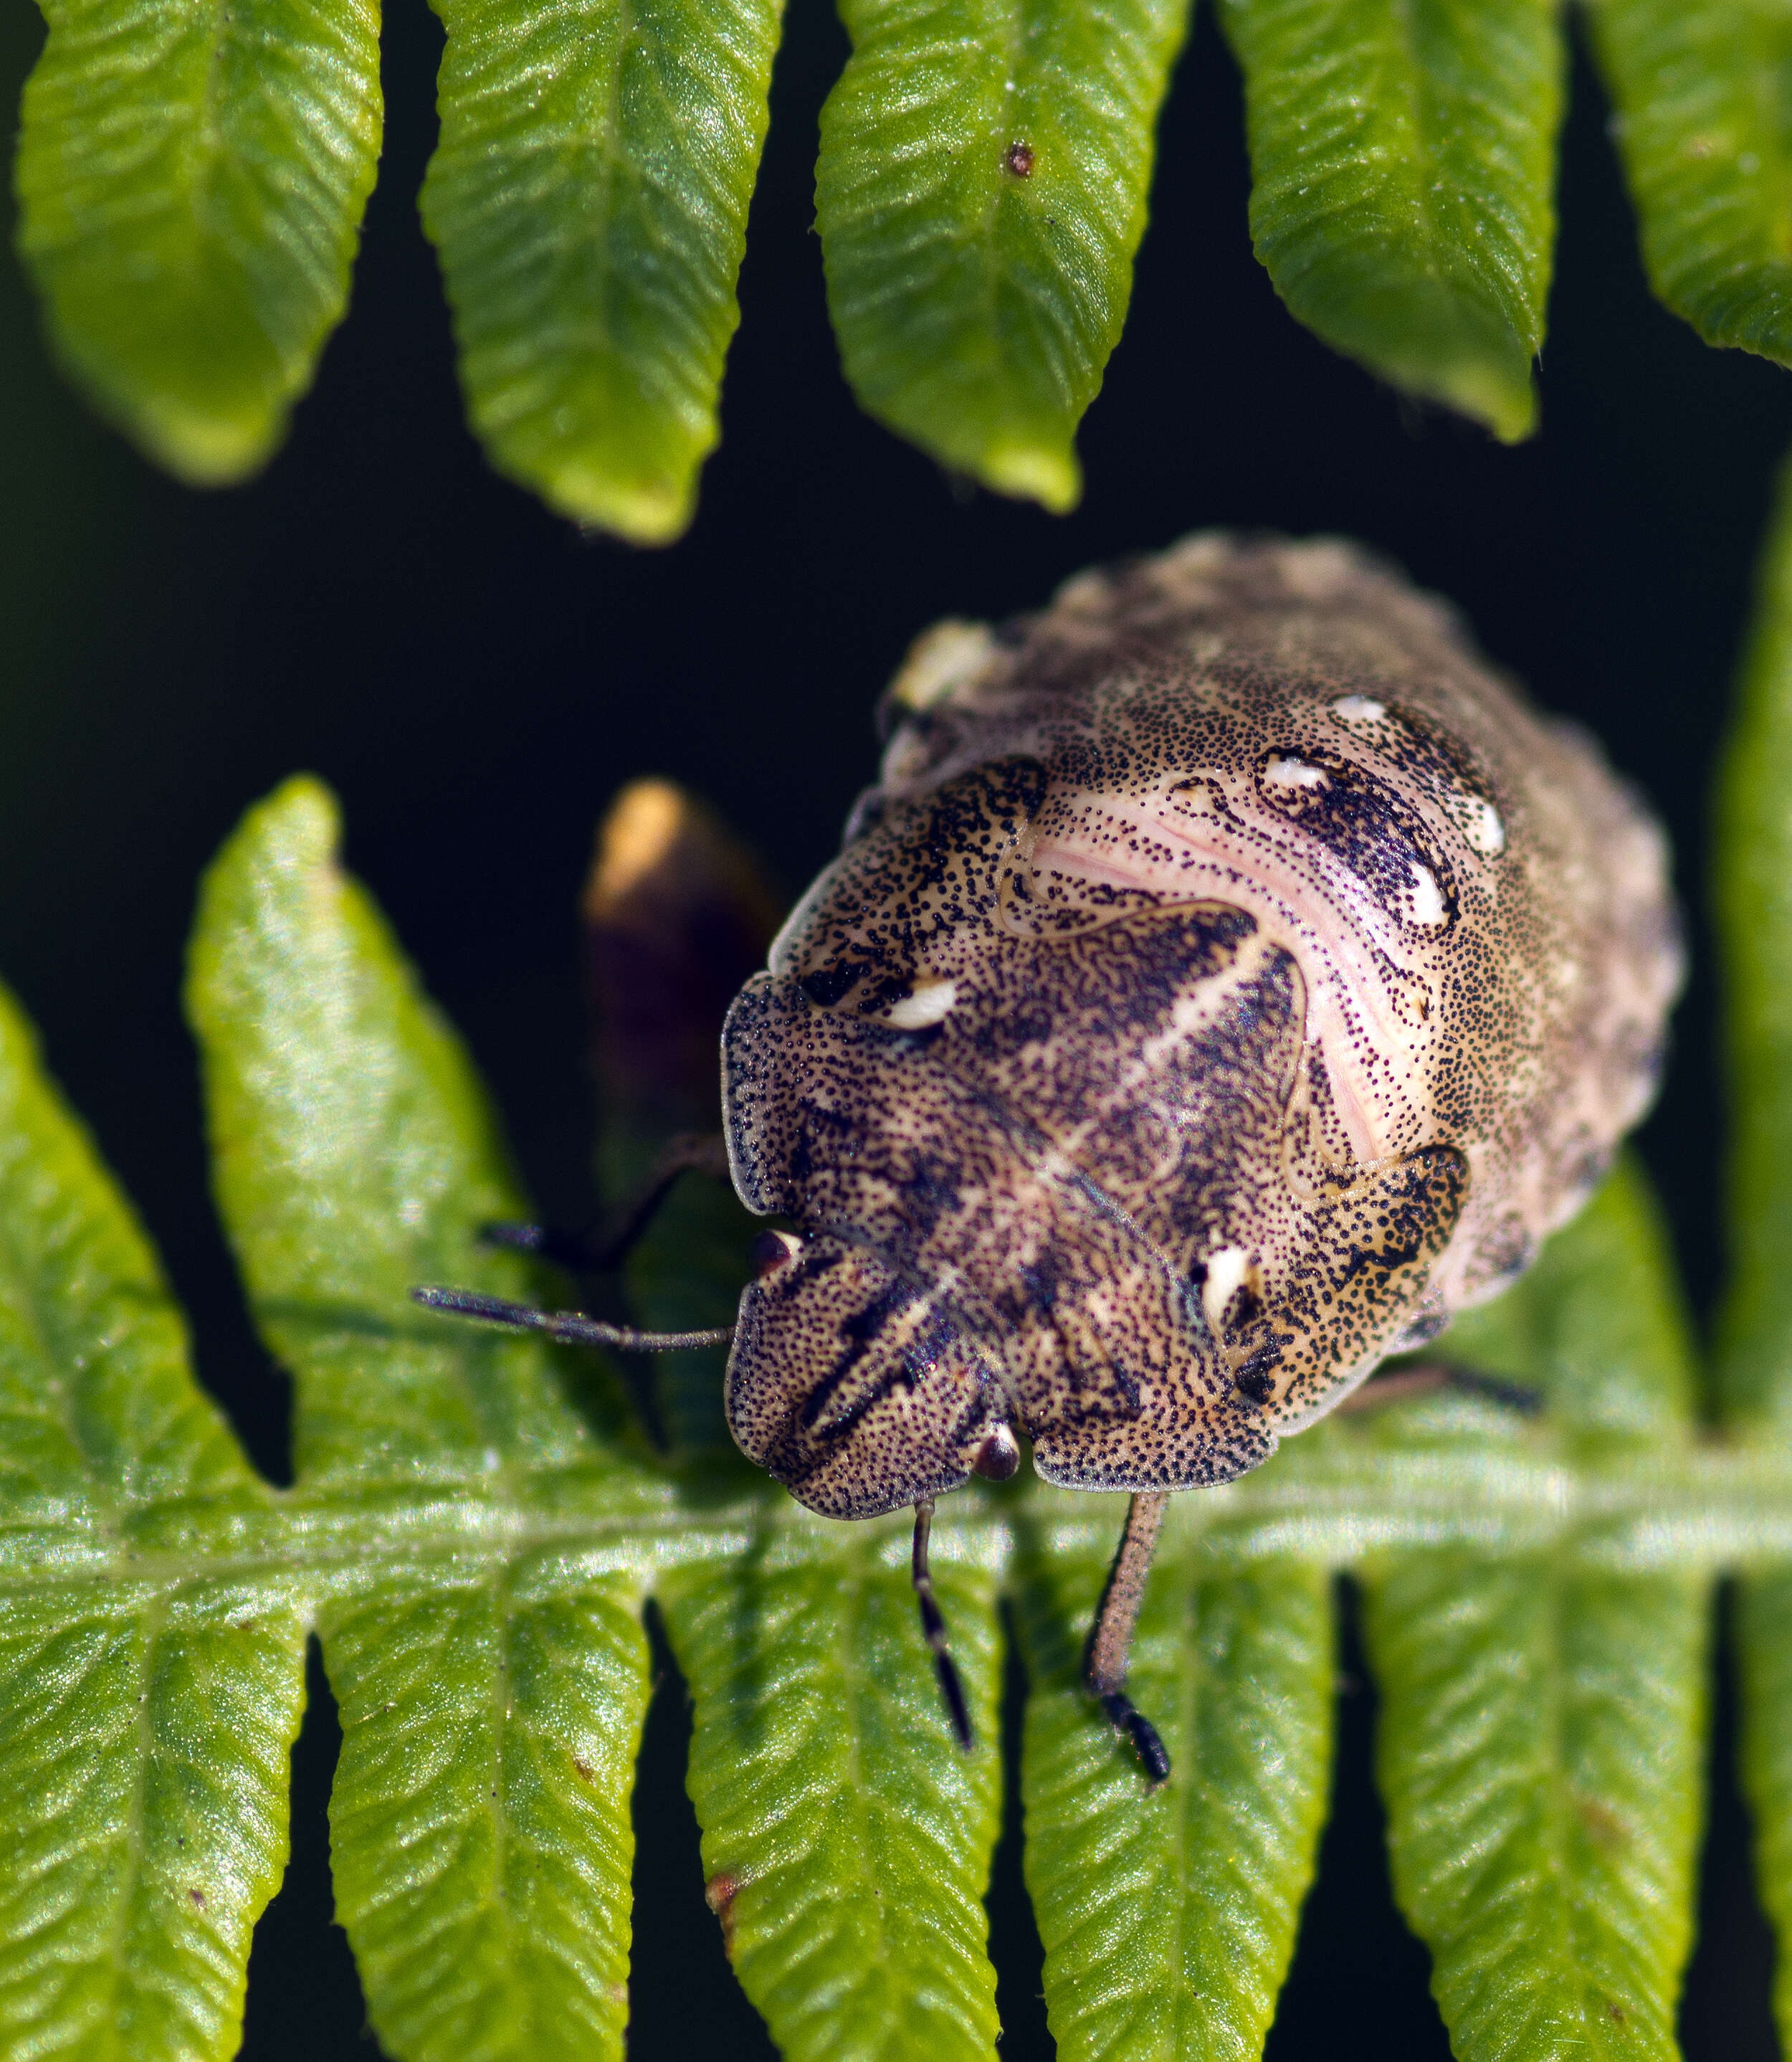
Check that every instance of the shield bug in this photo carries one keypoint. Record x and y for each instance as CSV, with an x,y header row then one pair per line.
x,y
1228,979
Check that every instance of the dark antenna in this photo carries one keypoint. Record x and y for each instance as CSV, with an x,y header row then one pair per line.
x,y
569,1326
933,1628
1111,1641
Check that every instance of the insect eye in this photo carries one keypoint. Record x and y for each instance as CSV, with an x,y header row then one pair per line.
x,y
770,1250
998,1457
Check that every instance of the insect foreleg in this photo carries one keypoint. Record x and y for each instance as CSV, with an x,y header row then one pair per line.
x,y
1111,1639
571,1327
598,1253
933,1628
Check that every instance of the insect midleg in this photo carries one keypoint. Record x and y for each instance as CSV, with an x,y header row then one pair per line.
x,y
598,1253
933,1628
1397,1384
1111,1638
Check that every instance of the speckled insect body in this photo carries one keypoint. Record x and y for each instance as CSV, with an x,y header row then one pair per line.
x,y
1228,980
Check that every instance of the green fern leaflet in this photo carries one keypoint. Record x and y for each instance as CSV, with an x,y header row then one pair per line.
x,y
193,181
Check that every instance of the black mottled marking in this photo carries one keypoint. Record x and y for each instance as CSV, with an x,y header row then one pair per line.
x,y
1370,828
1255,1379
859,1331
829,985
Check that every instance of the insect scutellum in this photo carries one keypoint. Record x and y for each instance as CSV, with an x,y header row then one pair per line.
x,y
1228,979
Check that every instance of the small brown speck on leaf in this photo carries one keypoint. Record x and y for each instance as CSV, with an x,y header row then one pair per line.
x,y
1604,1828
1020,160
583,1768
197,1899
1614,2010
719,1895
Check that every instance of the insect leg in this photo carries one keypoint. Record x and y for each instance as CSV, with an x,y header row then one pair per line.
x,y
933,1627
1428,1377
1112,1637
568,1326
596,1253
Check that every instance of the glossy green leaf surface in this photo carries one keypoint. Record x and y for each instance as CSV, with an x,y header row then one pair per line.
x,y
1699,92
192,178
143,1779
143,1760
1542,1716
355,1157
1597,1328
480,1829
1753,898
1754,909
846,1838
1539,1753
1167,1915
1403,164
492,1693
981,193
1763,1625
588,198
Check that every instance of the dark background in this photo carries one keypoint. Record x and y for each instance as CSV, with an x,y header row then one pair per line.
x,y
476,679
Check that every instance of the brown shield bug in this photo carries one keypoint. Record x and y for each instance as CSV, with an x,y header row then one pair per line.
x,y
1228,979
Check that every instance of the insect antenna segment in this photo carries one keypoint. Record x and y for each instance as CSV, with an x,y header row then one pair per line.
x,y
933,1628
571,1327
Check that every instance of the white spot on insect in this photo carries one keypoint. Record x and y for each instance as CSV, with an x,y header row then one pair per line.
x,y
928,1005
1284,770
1482,826
1226,1270
1358,708
1429,906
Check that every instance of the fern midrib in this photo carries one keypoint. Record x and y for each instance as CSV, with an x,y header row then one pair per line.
x,y
1710,1507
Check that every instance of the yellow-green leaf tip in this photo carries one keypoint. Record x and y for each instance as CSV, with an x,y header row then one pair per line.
x,y
639,511
201,448
1034,472
1489,395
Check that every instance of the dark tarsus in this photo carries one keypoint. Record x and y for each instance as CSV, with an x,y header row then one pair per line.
x,y
933,1628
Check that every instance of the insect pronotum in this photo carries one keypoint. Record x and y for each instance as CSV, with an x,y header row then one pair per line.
x,y
1228,979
